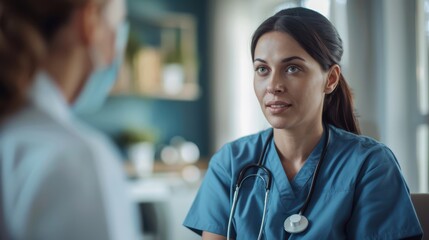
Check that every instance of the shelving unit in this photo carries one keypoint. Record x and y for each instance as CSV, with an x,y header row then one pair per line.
x,y
161,59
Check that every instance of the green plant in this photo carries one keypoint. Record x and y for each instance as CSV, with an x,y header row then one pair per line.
x,y
134,135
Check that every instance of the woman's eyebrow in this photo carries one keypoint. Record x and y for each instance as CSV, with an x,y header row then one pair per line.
x,y
292,58
288,59
259,60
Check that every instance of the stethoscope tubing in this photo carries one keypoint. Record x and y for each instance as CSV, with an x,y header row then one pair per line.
x,y
242,178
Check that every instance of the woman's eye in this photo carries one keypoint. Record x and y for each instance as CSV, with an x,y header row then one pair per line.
x,y
261,70
292,69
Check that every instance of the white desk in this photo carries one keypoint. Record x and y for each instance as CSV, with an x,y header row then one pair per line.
x,y
170,198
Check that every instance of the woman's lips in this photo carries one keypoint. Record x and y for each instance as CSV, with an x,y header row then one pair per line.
x,y
276,107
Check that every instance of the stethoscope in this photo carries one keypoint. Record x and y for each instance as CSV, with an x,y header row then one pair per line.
x,y
295,223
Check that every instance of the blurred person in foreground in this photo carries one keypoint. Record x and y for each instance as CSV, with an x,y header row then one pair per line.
x,y
59,178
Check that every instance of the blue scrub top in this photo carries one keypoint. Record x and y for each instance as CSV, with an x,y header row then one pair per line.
x,y
360,192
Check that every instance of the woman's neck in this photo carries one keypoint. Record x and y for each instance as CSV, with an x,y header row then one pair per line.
x,y
295,145
67,72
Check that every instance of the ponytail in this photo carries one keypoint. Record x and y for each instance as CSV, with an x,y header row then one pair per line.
x,y
21,48
338,108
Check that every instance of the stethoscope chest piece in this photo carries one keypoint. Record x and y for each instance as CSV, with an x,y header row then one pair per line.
x,y
295,223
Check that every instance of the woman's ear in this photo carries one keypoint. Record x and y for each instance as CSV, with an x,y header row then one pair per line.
x,y
333,78
88,18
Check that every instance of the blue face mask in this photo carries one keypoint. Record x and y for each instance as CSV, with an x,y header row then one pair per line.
x,y
101,80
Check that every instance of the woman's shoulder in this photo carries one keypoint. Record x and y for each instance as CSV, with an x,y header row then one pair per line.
x,y
33,127
32,130
353,142
242,150
361,150
251,141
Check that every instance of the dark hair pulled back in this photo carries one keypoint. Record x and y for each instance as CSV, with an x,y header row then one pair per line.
x,y
320,40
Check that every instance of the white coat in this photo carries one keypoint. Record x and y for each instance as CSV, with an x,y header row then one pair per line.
x,y
60,179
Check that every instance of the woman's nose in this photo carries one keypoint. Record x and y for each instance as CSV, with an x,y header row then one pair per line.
x,y
276,85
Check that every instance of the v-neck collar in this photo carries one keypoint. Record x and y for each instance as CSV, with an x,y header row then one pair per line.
x,y
288,190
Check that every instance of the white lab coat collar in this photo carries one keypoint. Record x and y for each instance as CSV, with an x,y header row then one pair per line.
x,y
46,96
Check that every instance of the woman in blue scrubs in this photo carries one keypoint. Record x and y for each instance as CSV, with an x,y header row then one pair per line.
x,y
358,191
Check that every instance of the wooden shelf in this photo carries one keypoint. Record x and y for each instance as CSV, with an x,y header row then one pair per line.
x,y
188,93
160,167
